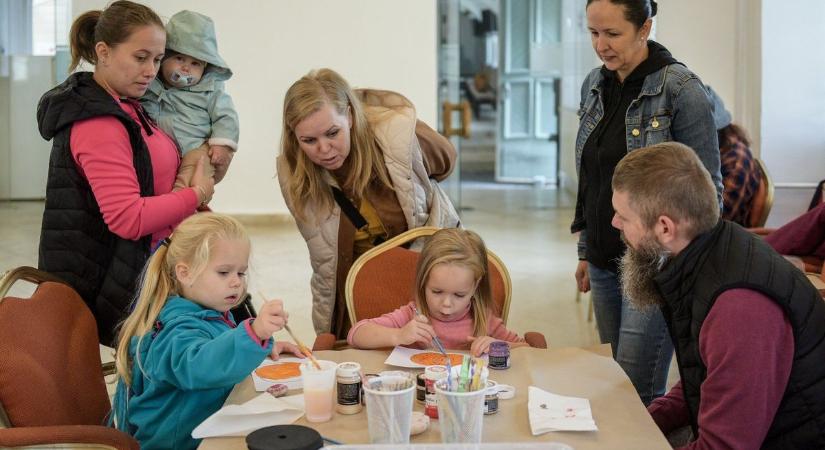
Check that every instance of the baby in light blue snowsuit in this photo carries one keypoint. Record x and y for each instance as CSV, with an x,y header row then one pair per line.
x,y
188,100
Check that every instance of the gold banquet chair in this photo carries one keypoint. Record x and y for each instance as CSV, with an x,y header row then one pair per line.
x,y
52,389
383,279
763,199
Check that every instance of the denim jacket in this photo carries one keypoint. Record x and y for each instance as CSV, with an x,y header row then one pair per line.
x,y
672,106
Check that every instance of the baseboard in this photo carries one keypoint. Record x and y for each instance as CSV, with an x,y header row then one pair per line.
x,y
257,220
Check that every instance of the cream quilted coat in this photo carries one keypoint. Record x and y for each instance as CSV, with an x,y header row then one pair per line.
x,y
424,203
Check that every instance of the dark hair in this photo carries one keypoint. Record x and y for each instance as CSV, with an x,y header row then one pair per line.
x,y
112,25
635,11
732,132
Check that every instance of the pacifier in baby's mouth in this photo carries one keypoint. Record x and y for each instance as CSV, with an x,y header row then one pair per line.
x,y
179,79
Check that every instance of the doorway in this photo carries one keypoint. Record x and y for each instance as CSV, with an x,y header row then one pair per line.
x,y
517,66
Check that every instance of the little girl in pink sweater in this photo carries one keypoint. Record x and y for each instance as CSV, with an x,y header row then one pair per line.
x,y
453,296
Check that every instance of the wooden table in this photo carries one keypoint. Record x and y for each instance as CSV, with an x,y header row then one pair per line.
x,y
622,420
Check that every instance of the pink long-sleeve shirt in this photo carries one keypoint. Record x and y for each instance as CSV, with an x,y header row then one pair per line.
x,y
101,149
453,334
747,345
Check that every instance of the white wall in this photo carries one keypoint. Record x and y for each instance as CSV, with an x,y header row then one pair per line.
x,y
793,61
719,41
31,76
702,34
5,176
389,44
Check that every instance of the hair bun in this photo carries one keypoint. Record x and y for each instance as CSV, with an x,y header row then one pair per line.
x,y
653,8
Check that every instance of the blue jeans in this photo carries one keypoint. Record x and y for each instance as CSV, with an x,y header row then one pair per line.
x,y
639,337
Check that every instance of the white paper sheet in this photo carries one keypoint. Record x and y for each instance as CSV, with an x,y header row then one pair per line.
x,y
551,412
400,357
262,411
261,384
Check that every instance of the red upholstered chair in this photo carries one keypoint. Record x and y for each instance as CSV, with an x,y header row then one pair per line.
x,y
383,279
52,389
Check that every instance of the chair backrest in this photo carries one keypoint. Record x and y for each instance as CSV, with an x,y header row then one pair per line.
x,y
50,372
383,278
763,199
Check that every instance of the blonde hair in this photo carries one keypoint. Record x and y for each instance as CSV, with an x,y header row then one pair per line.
x,y
462,248
306,182
191,243
686,194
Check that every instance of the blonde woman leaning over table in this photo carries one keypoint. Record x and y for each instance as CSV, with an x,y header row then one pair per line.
x,y
383,165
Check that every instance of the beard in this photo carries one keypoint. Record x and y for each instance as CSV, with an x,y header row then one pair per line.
x,y
638,267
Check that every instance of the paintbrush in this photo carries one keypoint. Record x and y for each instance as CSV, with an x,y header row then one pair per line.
x,y
303,348
436,341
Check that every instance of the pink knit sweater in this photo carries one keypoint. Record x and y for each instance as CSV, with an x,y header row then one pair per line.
x,y
453,334
100,147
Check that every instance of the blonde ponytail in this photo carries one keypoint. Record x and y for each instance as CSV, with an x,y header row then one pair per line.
x,y
155,286
191,243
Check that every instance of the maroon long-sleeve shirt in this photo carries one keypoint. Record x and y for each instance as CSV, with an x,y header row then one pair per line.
x,y
803,236
747,345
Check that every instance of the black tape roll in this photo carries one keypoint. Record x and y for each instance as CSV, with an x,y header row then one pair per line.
x,y
284,437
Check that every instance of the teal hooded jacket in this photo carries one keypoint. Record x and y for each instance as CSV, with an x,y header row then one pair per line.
x,y
182,373
203,112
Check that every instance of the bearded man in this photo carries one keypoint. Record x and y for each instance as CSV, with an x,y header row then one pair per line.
x,y
747,326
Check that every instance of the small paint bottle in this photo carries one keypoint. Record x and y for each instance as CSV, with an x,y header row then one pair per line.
x,y
491,398
420,388
499,355
431,375
349,388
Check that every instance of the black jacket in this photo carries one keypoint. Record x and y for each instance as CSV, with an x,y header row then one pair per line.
x,y
603,150
75,243
729,257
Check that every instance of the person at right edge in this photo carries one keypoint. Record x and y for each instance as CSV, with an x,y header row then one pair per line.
x,y
749,328
641,96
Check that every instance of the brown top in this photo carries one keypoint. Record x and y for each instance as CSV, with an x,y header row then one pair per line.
x,y
439,161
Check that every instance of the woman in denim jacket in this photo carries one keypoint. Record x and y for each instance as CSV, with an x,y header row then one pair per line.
x,y
639,97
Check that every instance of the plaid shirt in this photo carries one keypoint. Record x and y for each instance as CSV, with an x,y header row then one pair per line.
x,y
740,176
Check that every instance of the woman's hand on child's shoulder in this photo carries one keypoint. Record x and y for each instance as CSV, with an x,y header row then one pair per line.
x,y
480,345
284,346
416,330
271,318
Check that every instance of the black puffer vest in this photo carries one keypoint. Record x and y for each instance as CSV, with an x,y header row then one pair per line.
x,y
75,243
729,257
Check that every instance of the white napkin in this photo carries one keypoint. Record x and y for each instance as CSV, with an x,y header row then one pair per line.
x,y
261,384
262,411
551,412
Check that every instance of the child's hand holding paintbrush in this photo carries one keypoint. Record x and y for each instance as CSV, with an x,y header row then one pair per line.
x,y
272,318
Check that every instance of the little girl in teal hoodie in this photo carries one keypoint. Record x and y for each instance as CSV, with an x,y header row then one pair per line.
x,y
180,352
